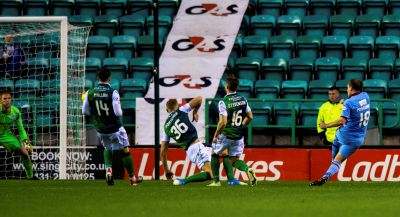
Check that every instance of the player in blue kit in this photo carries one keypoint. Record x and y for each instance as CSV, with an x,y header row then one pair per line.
x,y
353,127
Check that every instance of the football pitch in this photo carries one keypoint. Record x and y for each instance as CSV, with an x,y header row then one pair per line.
x,y
160,198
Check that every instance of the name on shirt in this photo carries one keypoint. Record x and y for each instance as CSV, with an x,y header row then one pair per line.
x,y
236,104
101,95
171,119
365,107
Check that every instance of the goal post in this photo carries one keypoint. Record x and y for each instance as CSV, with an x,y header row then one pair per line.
x,y
52,41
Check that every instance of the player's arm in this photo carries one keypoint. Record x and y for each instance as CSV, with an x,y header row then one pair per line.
x,y
163,153
223,120
342,120
116,104
86,106
249,116
195,104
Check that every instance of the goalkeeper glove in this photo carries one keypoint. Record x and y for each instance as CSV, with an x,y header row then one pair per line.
x,y
28,146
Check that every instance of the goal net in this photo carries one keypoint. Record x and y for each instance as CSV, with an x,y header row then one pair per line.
x,y
43,65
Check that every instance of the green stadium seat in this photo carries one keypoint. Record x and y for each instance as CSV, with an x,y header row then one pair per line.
x,y
164,24
394,7
334,46
7,85
11,8
140,7
342,85
309,113
361,47
391,25
146,46
46,113
262,113
141,68
394,89
255,46
36,7
81,20
294,89
92,65
318,89
381,68
296,7
88,84
390,114
114,83
62,7
308,46
282,47
270,7
244,26
368,25
354,68
168,7
315,25
263,25
387,47
106,25
88,7
133,25
397,68
373,115
327,68
123,46
246,88
237,49
349,7
283,113
322,7
113,7
26,88
300,69
38,68
267,89
54,68
273,69
117,66
375,88
288,25
342,25
248,68
229,68
51,89
375,7
98,46
132,88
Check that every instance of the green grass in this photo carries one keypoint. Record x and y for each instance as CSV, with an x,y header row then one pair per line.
x,y
160,198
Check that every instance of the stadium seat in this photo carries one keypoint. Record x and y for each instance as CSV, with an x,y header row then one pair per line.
x,y
294,89
315,25
282,47
133,25
390,114
141,68
318,89
354,68
245,88
113,7
62,7
394,7
296,7
334,46
123,46
327,68
92,65
300,69
368,25
168,7
375,88
262,113
255,46
381,68
309,113
322,7
132,88
387,47
11,7
341,25
229,68
237,49
26,88
146,47
283,113
342,85
397,68
45,113
117,66
7,85
349,7
263,25
88,7
36,7
54,70
273,69
308,46
288,25
140,7
373,115
38,68
81,20
50,89
394,89
248,68
391,25
267,89
105,25
361,47
375,7
164,24
270,7
114,83
244,26
98,46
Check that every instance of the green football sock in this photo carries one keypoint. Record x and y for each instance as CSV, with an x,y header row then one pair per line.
x,y
128,164
241,165
228,168
199,177
215,166
28,168
107,158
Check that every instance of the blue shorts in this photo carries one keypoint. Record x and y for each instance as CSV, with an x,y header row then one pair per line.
x,y
346,150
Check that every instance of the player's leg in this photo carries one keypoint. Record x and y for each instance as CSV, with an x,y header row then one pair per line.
x,y
235,151
105,140
13,144
219,148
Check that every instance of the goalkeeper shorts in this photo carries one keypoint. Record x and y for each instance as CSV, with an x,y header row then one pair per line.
x,y
10,142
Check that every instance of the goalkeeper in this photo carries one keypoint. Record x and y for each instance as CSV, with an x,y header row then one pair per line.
x,y
10,115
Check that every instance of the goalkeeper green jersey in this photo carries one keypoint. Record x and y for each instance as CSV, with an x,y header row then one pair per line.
x,y
178,126
8,120
235,107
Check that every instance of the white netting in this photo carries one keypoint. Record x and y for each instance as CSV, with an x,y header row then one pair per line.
x,y
31,71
